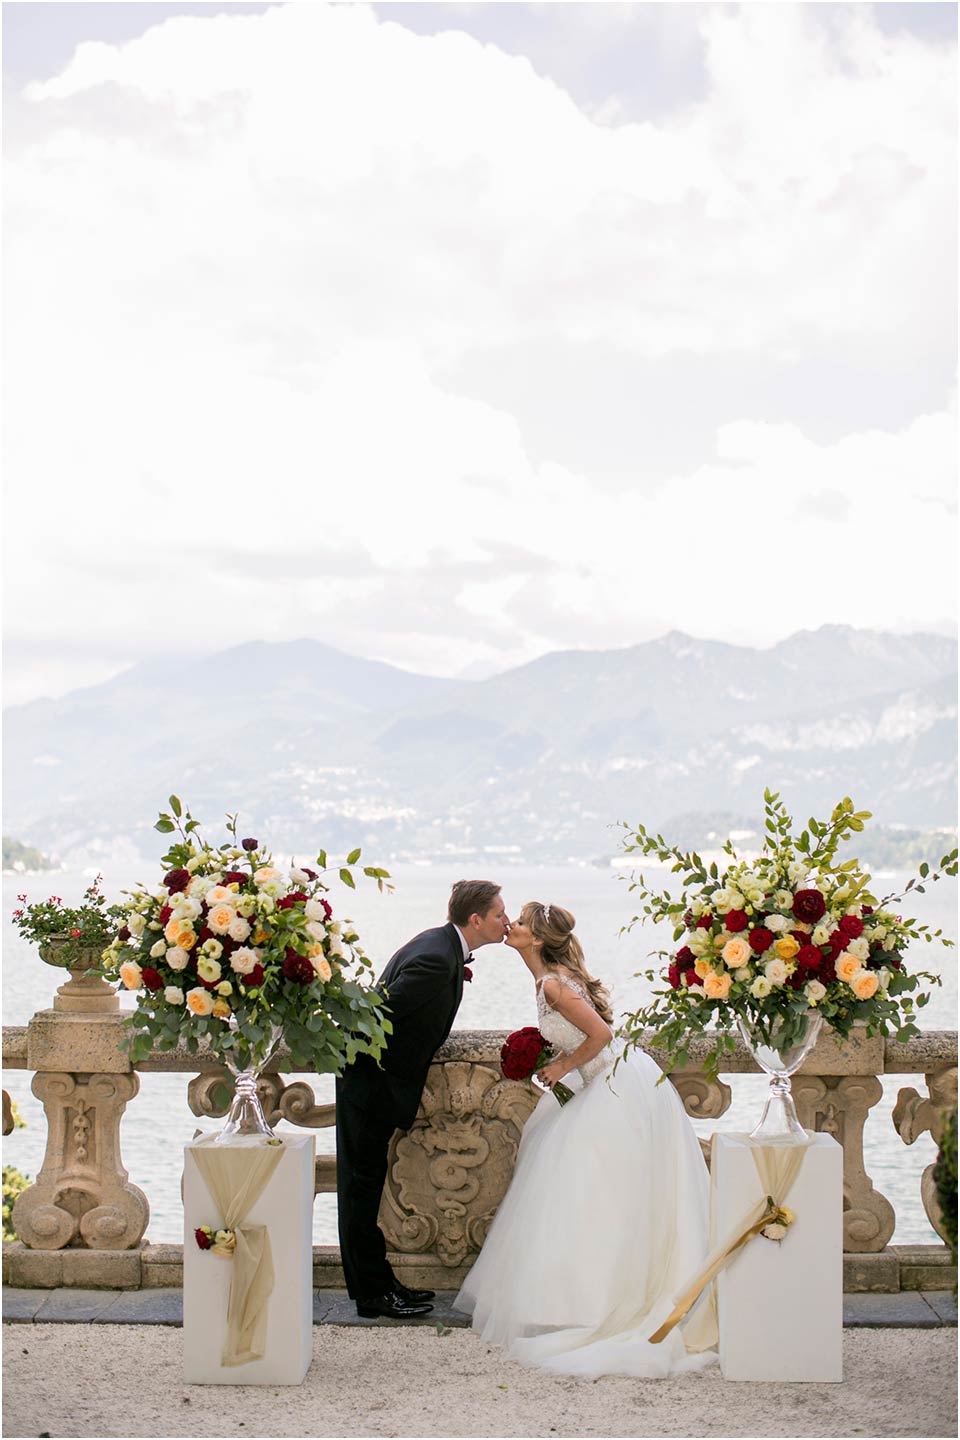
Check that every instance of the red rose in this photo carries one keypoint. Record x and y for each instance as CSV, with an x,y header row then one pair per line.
x,y
827,971
250,844
152,979
692,978
735,921
809,957
809,906
123,933
851,926
673,975
837,942
521,1052
298,968
685,957
467,973
177,880
760,939
165,912
866,909
328,909
704,922
796,980
235,877
287,902
255,977
202,1239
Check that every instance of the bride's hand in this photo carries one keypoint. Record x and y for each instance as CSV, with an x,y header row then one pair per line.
x,y
551,1073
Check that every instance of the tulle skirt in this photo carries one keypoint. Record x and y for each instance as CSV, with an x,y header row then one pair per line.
x,y
605,1219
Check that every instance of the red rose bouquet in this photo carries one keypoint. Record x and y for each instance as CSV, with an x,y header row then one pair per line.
x,y
522,1055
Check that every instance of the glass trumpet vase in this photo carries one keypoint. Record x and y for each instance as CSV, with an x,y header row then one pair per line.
x,y
246,1122
780,1044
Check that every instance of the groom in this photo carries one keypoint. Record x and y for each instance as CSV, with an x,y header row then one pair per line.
x,y
423,985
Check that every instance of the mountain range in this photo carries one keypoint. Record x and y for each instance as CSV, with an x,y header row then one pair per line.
x,y
317,747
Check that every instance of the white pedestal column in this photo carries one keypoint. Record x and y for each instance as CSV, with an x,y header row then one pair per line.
x,y
286,1208
780,1304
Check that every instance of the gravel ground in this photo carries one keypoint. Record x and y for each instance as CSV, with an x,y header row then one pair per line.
x,y
124,1380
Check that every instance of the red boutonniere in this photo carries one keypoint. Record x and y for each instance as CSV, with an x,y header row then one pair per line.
x,y
467,973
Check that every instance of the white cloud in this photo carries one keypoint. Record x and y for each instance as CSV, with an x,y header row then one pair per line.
x,y
241,251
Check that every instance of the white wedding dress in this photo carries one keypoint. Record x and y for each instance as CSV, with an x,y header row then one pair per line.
x,y
605,1219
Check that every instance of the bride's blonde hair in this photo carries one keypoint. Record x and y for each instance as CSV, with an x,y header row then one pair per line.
x,y
553,927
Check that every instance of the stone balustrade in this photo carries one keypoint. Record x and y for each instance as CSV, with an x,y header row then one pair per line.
x,y
447,1174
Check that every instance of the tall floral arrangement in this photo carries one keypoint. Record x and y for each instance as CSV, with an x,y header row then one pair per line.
x,y
232,948
795,930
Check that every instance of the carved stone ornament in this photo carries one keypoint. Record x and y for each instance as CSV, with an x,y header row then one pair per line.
x,y
211,1093
838,1105
914,1115
82,1195
447,1175
703,1099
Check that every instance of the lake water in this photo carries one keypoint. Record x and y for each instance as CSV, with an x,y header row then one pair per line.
x,y
500,997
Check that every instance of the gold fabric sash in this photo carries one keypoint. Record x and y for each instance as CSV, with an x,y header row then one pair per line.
x,y
236,1176
777,1168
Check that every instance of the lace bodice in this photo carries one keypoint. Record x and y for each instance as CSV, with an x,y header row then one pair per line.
x,y
563,1035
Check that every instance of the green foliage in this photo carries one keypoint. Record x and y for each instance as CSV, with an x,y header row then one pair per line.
x,y
89,925
14,1181
945,1179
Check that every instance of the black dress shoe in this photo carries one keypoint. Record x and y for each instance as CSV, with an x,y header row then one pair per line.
x,y
413,1297
394,1305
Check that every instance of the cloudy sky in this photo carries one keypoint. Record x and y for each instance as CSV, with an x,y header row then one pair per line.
x,y
452,334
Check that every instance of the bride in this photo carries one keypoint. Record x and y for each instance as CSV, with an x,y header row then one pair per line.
x,y
607,1213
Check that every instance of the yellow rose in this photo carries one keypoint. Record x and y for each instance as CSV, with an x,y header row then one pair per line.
x,y
220,918
847,966
864,985
717,987
208,969
199,1001
322,967
221,1009
786,947
703,967
260,935
737,952
131,974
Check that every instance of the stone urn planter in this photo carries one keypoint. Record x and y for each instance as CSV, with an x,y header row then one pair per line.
x,y
86,992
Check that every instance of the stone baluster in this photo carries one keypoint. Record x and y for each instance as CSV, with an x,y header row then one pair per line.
x,y
839,1105
82,1196
914,1115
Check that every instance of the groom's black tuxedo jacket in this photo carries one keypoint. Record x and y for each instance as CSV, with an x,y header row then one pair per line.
x,y
423,986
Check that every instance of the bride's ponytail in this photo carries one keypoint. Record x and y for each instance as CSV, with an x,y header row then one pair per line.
x,y
553,926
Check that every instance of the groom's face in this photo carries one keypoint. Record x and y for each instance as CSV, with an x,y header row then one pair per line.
x,y
493,926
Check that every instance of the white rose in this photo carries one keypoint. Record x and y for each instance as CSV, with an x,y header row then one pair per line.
x,y
246,906
298,876
743,974
315,930
224,988
193,863
884,976
699,941
199,886
724,900
157,950
265,904
136,924
315,910
776,923
761,987
187,907
220,895
177,958
244,959
797,871
335,947
821,934
814,991
697,907
212,948
333,926
776,972
173,995
783,900
239,929
890,942
859,947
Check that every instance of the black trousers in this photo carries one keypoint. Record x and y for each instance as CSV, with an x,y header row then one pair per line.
x,y
363,1138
